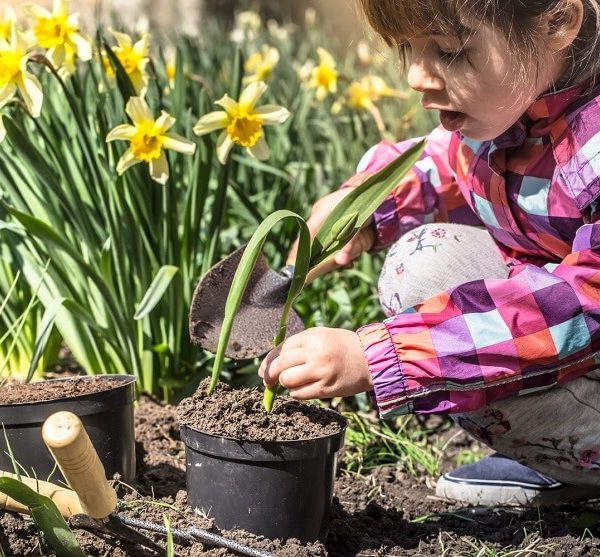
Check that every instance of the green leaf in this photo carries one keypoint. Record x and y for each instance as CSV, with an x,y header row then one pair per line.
x,y
43,334
364,200
34,158
242,276
161,282
43,231
46,515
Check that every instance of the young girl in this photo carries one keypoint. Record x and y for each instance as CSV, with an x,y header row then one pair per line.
x,y
492,279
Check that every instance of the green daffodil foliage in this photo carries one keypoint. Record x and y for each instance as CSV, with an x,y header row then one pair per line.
x,y
339,228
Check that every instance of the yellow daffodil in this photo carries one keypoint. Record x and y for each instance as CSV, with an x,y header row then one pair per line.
x,y
14,76
279,32
148,140
134,59
261,64
59,33
368,56
242,122
7,22
247,25
310,17
324,76
170,70
364,93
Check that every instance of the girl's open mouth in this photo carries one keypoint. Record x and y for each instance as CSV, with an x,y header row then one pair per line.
x,y
452,121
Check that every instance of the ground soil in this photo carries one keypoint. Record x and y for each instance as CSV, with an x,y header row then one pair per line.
x,y
385,512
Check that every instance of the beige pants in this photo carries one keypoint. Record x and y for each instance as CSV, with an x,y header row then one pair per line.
x,y
557,431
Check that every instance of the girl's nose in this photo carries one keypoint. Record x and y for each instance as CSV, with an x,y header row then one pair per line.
x,y
421,78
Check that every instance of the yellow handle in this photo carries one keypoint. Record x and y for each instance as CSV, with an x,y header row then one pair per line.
x,y
68,441
65,499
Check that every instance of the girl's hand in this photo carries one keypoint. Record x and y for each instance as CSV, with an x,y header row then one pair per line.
x,y
362,241
320,362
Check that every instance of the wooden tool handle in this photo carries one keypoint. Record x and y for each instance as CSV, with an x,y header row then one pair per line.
x,y
65,499
68,441
322,269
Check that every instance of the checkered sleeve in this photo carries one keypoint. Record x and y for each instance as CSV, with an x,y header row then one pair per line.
x,y
488,339
428,192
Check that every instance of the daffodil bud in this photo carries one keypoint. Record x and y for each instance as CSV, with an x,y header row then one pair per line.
x,y
343,229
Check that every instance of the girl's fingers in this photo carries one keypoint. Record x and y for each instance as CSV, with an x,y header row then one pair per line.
x,y
308,391
268,359
278,361
297,376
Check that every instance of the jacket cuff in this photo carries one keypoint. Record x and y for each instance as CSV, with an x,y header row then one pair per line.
x,y
389,385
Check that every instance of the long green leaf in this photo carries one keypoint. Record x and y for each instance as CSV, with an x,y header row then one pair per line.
x,y
363,200
155,291
242,276
43,335
46,515
44,231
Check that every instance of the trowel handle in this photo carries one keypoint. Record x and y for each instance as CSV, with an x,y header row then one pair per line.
x,y
68,441
317,271
322,269
65,499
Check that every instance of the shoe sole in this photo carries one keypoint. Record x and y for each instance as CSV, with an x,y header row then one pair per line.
x,y
490,493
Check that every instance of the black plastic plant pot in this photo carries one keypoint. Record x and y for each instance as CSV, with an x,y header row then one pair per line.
x,y
276,489
107,416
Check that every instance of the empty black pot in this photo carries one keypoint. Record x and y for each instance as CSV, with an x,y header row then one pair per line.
x,y
277,489
107,416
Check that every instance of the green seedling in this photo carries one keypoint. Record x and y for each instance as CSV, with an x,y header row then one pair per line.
x,y
46,515
342,224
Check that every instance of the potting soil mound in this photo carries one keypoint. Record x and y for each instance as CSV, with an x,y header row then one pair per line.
x,y
240,414
39,391
385,512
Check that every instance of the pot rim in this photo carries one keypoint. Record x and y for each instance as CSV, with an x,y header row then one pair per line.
x,y
128,379
240,449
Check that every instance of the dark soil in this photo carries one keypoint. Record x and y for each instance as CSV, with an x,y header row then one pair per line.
x,y
239,414
19,393
383,513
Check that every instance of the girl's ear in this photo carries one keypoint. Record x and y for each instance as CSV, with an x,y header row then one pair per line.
x,y
563,24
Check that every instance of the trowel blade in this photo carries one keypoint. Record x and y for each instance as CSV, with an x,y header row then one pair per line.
x,y
257,319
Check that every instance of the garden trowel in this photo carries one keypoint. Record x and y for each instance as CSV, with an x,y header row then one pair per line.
x,y
257,319
95,501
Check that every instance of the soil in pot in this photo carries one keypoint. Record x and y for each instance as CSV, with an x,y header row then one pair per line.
x,y
269,473
239,414
39,391
104,403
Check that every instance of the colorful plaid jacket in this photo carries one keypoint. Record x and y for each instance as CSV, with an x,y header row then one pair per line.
x,y
535,189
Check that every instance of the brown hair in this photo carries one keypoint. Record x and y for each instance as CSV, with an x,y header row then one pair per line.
x,y
518,20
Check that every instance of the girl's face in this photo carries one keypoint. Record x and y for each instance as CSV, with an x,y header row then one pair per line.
x,y
478,88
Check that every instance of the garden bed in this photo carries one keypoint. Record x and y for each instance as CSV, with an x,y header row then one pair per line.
x,y
385,512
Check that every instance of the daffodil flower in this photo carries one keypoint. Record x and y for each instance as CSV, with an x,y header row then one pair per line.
x,y
134,59
14,76
59,32
170,71
7,22
242,123
247,25
148,140
364,93
261,64
324,76
279,32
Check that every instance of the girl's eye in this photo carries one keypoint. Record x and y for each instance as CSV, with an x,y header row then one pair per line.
x,y
449,56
